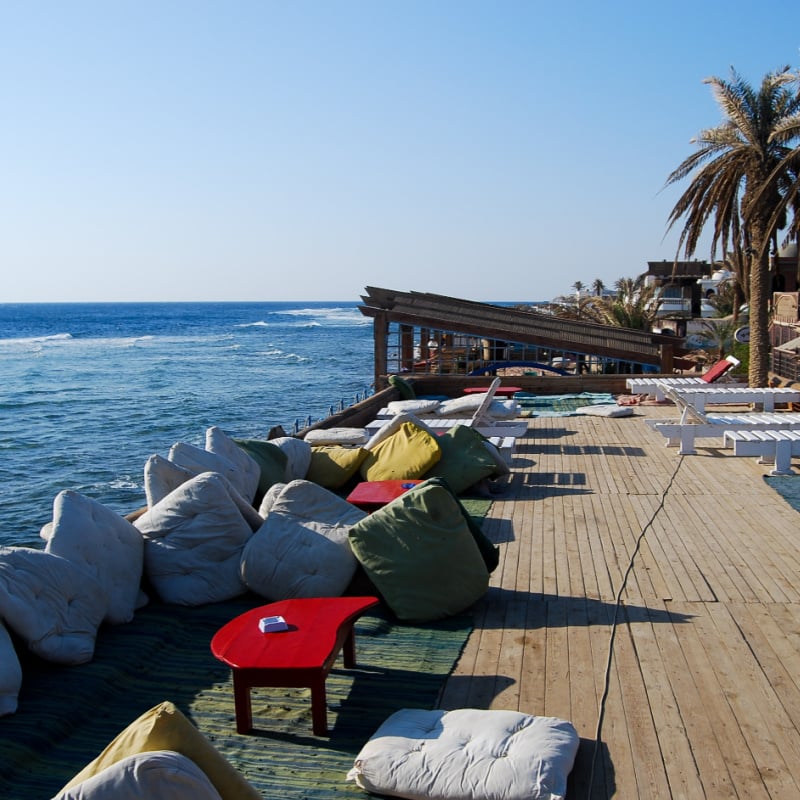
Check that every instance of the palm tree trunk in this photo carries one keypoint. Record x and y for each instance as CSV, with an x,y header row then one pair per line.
x,y
759,319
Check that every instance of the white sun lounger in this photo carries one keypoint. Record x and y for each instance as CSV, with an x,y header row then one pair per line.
x,y
481,420
694,424
655,386
701,396
773,446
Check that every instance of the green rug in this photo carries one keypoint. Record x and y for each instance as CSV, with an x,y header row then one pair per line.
x,y
67,715
558,405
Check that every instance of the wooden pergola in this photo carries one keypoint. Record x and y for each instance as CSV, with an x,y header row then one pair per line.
x,y
417,313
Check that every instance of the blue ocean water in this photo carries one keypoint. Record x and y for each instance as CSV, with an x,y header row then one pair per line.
x,y
89,391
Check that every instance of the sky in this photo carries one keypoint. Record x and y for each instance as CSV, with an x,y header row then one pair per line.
x,y
161,150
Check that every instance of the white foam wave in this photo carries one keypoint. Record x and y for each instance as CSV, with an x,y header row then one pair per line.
x,y
55,337
333,315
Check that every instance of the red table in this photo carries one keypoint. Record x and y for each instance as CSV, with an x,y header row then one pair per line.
x,y
301,656
501,391
370,495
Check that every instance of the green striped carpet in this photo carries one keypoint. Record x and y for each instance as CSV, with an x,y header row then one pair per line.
x,y
558,405
68,714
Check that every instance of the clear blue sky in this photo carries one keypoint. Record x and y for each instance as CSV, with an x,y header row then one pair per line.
x,y
169,150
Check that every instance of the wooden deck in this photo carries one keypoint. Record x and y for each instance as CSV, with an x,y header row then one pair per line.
x,y
704,685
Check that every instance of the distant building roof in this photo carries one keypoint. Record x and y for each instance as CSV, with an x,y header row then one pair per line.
x,y
680,269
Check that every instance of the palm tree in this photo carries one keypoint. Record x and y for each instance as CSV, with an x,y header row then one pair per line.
x,y
598,287
635,305
738,183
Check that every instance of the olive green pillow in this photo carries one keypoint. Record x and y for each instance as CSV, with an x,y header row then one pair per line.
x,y
332,466
403,386
420,554
271,460
465,459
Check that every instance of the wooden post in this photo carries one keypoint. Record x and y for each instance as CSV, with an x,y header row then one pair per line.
x,y
406,348
380,335
667,363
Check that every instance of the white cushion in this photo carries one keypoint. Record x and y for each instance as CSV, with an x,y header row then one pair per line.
x,y
413,406
162,476
161,774
298,456
269,498
197,461
347,437
105,544
605,410
219,443
468,754
54,605
194,540
10,674
468,404
302,549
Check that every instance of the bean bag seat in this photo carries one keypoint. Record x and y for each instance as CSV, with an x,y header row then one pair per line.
x,y
105,544
421,555
391,426
162,476
271,461
269,499
407,453
298,455
332,466
162,774
197,461
10,674
249,472
468,754
165,727
194,540
404,388
302,549
52,604
465,458
346,437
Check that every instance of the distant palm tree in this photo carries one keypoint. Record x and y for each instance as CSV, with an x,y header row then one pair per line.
x,y
578,287
598,287
737,183
635,305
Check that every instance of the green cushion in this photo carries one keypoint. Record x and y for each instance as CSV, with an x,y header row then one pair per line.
x,y
489,551
332,466
408,453
420,554
271,460
403,386
465,458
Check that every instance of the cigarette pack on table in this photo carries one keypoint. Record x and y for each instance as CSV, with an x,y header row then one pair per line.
x,y
272,624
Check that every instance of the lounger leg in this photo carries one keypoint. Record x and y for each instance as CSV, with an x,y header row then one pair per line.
x,y
783,458
687,441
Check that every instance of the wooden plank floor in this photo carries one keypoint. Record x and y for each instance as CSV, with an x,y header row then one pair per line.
x,y
703,697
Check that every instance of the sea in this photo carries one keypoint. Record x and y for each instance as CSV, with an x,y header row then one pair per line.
x,y
88,391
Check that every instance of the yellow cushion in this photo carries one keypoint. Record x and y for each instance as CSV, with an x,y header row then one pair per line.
x,y
164,727
407,454
332,466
